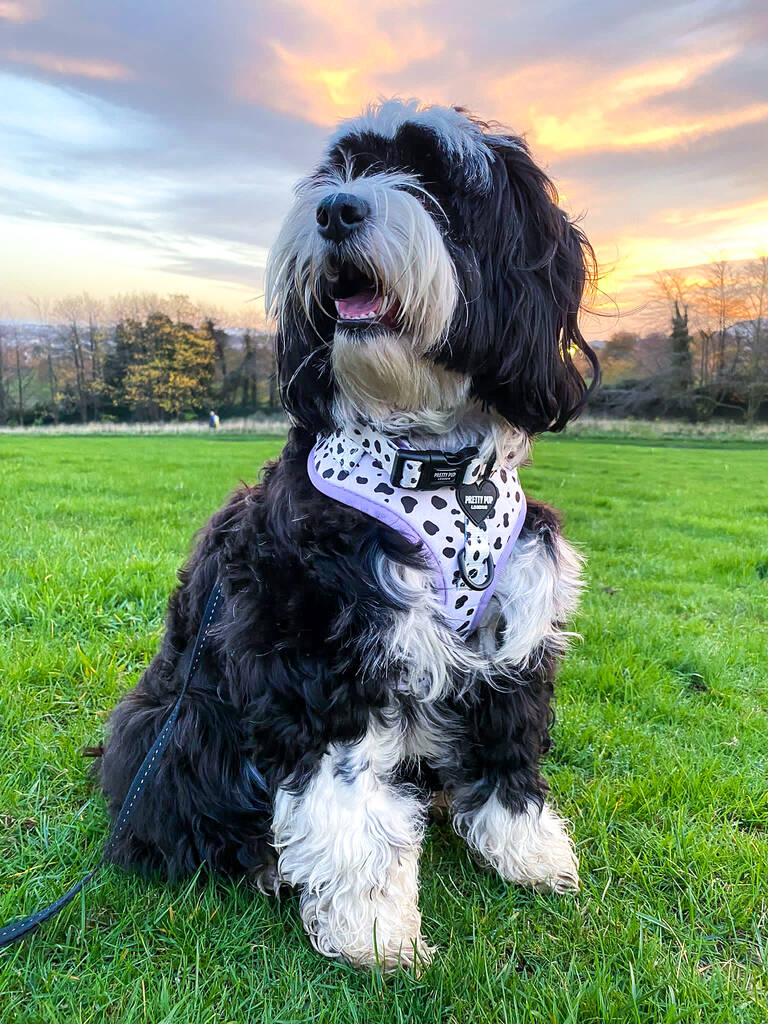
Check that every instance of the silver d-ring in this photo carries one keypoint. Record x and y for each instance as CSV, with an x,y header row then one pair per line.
x,y
473,583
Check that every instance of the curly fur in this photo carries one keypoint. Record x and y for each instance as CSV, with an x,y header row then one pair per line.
x,y
333,699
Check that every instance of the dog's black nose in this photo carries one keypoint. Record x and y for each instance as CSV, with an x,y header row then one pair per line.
x,y
340,214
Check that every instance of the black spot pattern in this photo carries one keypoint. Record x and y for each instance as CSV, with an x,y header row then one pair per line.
x,y
334,461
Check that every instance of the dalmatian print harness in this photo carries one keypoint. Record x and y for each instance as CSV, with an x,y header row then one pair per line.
x,y
465,513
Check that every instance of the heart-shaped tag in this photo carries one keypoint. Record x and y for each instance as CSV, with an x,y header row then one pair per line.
x,y
477,500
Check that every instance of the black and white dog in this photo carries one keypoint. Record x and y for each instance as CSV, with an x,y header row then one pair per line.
x,y
426,288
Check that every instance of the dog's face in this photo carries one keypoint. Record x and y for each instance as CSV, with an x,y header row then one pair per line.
x,y
426,267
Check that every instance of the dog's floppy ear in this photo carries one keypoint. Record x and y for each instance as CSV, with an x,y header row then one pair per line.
x,y
523,304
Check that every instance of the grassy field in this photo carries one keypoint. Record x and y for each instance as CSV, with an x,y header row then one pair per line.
x,y
587,426
660,758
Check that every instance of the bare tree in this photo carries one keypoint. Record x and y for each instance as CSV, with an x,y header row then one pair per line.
x,y
755,275
181,309
77,314
720,304
44,318
672,288
21,371
94,339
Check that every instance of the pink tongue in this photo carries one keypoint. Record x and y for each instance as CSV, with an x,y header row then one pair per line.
x,y
367,303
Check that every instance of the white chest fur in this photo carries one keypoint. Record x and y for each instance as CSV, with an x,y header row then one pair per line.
x,y
537,592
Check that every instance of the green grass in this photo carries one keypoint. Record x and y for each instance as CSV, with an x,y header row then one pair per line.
x,y
660,759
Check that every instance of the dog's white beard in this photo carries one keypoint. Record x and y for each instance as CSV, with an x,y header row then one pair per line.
x,y
385,381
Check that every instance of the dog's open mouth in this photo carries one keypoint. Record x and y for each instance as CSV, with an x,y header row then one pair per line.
x,y
359,299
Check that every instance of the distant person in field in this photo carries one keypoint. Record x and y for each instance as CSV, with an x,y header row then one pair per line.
x,y
213,420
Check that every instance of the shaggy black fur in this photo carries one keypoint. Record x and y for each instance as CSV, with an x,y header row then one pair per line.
x,y
290,670
286,678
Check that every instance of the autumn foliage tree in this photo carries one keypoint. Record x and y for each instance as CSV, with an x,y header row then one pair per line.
x,y
168,367
134,356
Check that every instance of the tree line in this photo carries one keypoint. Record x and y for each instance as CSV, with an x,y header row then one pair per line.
x,y
141,357
135,357
712,357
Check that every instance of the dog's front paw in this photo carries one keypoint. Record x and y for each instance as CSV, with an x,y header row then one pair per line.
x,y
372,931
549,862
532,848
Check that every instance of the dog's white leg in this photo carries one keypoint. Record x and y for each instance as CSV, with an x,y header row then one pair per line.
x,y
352,841
531,848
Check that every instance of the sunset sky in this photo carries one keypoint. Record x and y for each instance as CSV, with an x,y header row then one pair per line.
x,y
152,145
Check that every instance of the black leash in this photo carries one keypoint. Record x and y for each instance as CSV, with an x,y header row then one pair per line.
x,y
26,925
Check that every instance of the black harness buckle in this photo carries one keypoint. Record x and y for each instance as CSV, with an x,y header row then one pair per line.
x,y
437,469
469,579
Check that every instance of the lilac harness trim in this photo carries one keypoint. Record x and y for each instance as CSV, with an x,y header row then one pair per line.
x,y
357,474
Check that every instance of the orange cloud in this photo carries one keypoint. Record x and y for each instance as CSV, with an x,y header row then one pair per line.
x,y
652,79
735,234
591,130
104,70
747,212
329,72
609,112
566,106
336,69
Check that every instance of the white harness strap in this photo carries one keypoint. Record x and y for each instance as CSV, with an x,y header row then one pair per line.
x,y
467,532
